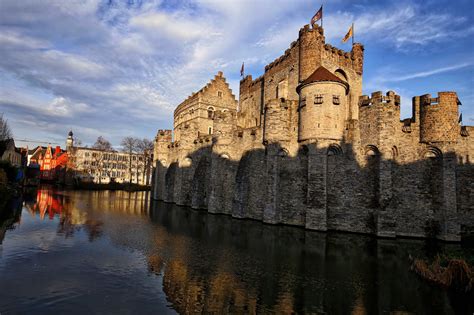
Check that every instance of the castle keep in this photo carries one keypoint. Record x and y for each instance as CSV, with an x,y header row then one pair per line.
x,y
304,147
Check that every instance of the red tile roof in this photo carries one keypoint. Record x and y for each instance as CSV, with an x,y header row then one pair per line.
x,y
321,74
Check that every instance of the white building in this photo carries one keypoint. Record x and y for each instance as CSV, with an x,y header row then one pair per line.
x,y
101,166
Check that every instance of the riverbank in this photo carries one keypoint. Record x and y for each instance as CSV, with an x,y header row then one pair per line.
x,y
111,186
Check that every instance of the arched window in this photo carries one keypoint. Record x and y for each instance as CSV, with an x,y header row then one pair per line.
x,y
210,112
334,149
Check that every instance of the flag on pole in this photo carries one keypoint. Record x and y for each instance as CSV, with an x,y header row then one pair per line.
x,y
349,34
242,70
318,16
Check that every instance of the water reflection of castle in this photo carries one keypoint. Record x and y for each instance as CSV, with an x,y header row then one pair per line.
x,y
216,265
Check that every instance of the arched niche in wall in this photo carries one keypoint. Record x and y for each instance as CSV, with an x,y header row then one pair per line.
x,y
432,153
372,175
394,152
432,175
162,162
334,149
283,152
187,162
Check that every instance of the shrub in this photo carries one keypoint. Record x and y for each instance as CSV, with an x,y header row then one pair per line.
x,y
9,169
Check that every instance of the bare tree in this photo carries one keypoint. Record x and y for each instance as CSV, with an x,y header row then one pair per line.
x,y
102,144
78,142
5,131
129,145
145,147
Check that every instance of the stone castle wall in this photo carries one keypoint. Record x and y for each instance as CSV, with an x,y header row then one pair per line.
x,y
348,166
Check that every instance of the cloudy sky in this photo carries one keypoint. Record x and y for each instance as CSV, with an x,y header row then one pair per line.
x,y
118,68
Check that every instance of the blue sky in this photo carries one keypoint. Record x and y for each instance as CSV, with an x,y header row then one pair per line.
x,y
118,68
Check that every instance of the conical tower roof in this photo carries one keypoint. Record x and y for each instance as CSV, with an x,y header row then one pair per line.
x,y
321,74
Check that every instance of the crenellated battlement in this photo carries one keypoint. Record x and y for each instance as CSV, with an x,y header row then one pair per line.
x,y
164,135
378,98
282,58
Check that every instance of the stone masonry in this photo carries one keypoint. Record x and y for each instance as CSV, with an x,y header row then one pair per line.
x,y
304,147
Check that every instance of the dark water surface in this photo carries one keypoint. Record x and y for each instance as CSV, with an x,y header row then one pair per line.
x,y
116,252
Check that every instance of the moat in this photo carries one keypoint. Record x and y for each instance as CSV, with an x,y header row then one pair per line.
x,y
118,252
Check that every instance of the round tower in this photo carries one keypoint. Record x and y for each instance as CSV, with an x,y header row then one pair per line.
x,y
323,106
439,118
311,41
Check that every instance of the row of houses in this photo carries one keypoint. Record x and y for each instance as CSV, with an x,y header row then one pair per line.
x,y
78,163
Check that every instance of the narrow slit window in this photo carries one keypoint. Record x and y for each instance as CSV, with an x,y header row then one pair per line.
x,y
303,101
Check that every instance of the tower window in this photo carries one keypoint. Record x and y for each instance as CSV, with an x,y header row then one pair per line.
x,y
336,100
318,99
219,94
303,101
210,113
210,130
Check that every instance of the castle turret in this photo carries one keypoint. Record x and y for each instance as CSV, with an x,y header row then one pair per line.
x,y
323,106
357,55
379,119
439,118
162,142
311,42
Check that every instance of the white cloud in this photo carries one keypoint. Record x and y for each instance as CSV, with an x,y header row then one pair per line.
x,y
400,25
423,74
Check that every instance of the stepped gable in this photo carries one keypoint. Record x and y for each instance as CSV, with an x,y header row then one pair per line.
x,y
321,74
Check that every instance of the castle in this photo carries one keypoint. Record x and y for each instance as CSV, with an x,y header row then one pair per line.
x,y
304,147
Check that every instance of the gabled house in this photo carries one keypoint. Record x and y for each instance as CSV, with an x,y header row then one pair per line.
x,y
9,153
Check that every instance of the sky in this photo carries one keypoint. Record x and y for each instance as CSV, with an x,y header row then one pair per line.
x,y
119,68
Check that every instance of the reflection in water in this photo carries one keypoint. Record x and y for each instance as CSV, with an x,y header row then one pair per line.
x,y
174,258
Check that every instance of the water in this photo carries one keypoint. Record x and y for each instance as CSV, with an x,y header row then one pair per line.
x,y
116,252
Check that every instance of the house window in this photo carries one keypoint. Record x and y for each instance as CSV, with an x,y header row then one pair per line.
x,y
318,99
336,100
209,130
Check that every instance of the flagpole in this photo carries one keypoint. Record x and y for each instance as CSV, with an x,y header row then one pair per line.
x,y
322,16
353,34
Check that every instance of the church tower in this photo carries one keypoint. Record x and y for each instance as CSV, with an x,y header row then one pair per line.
x,y
69,141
